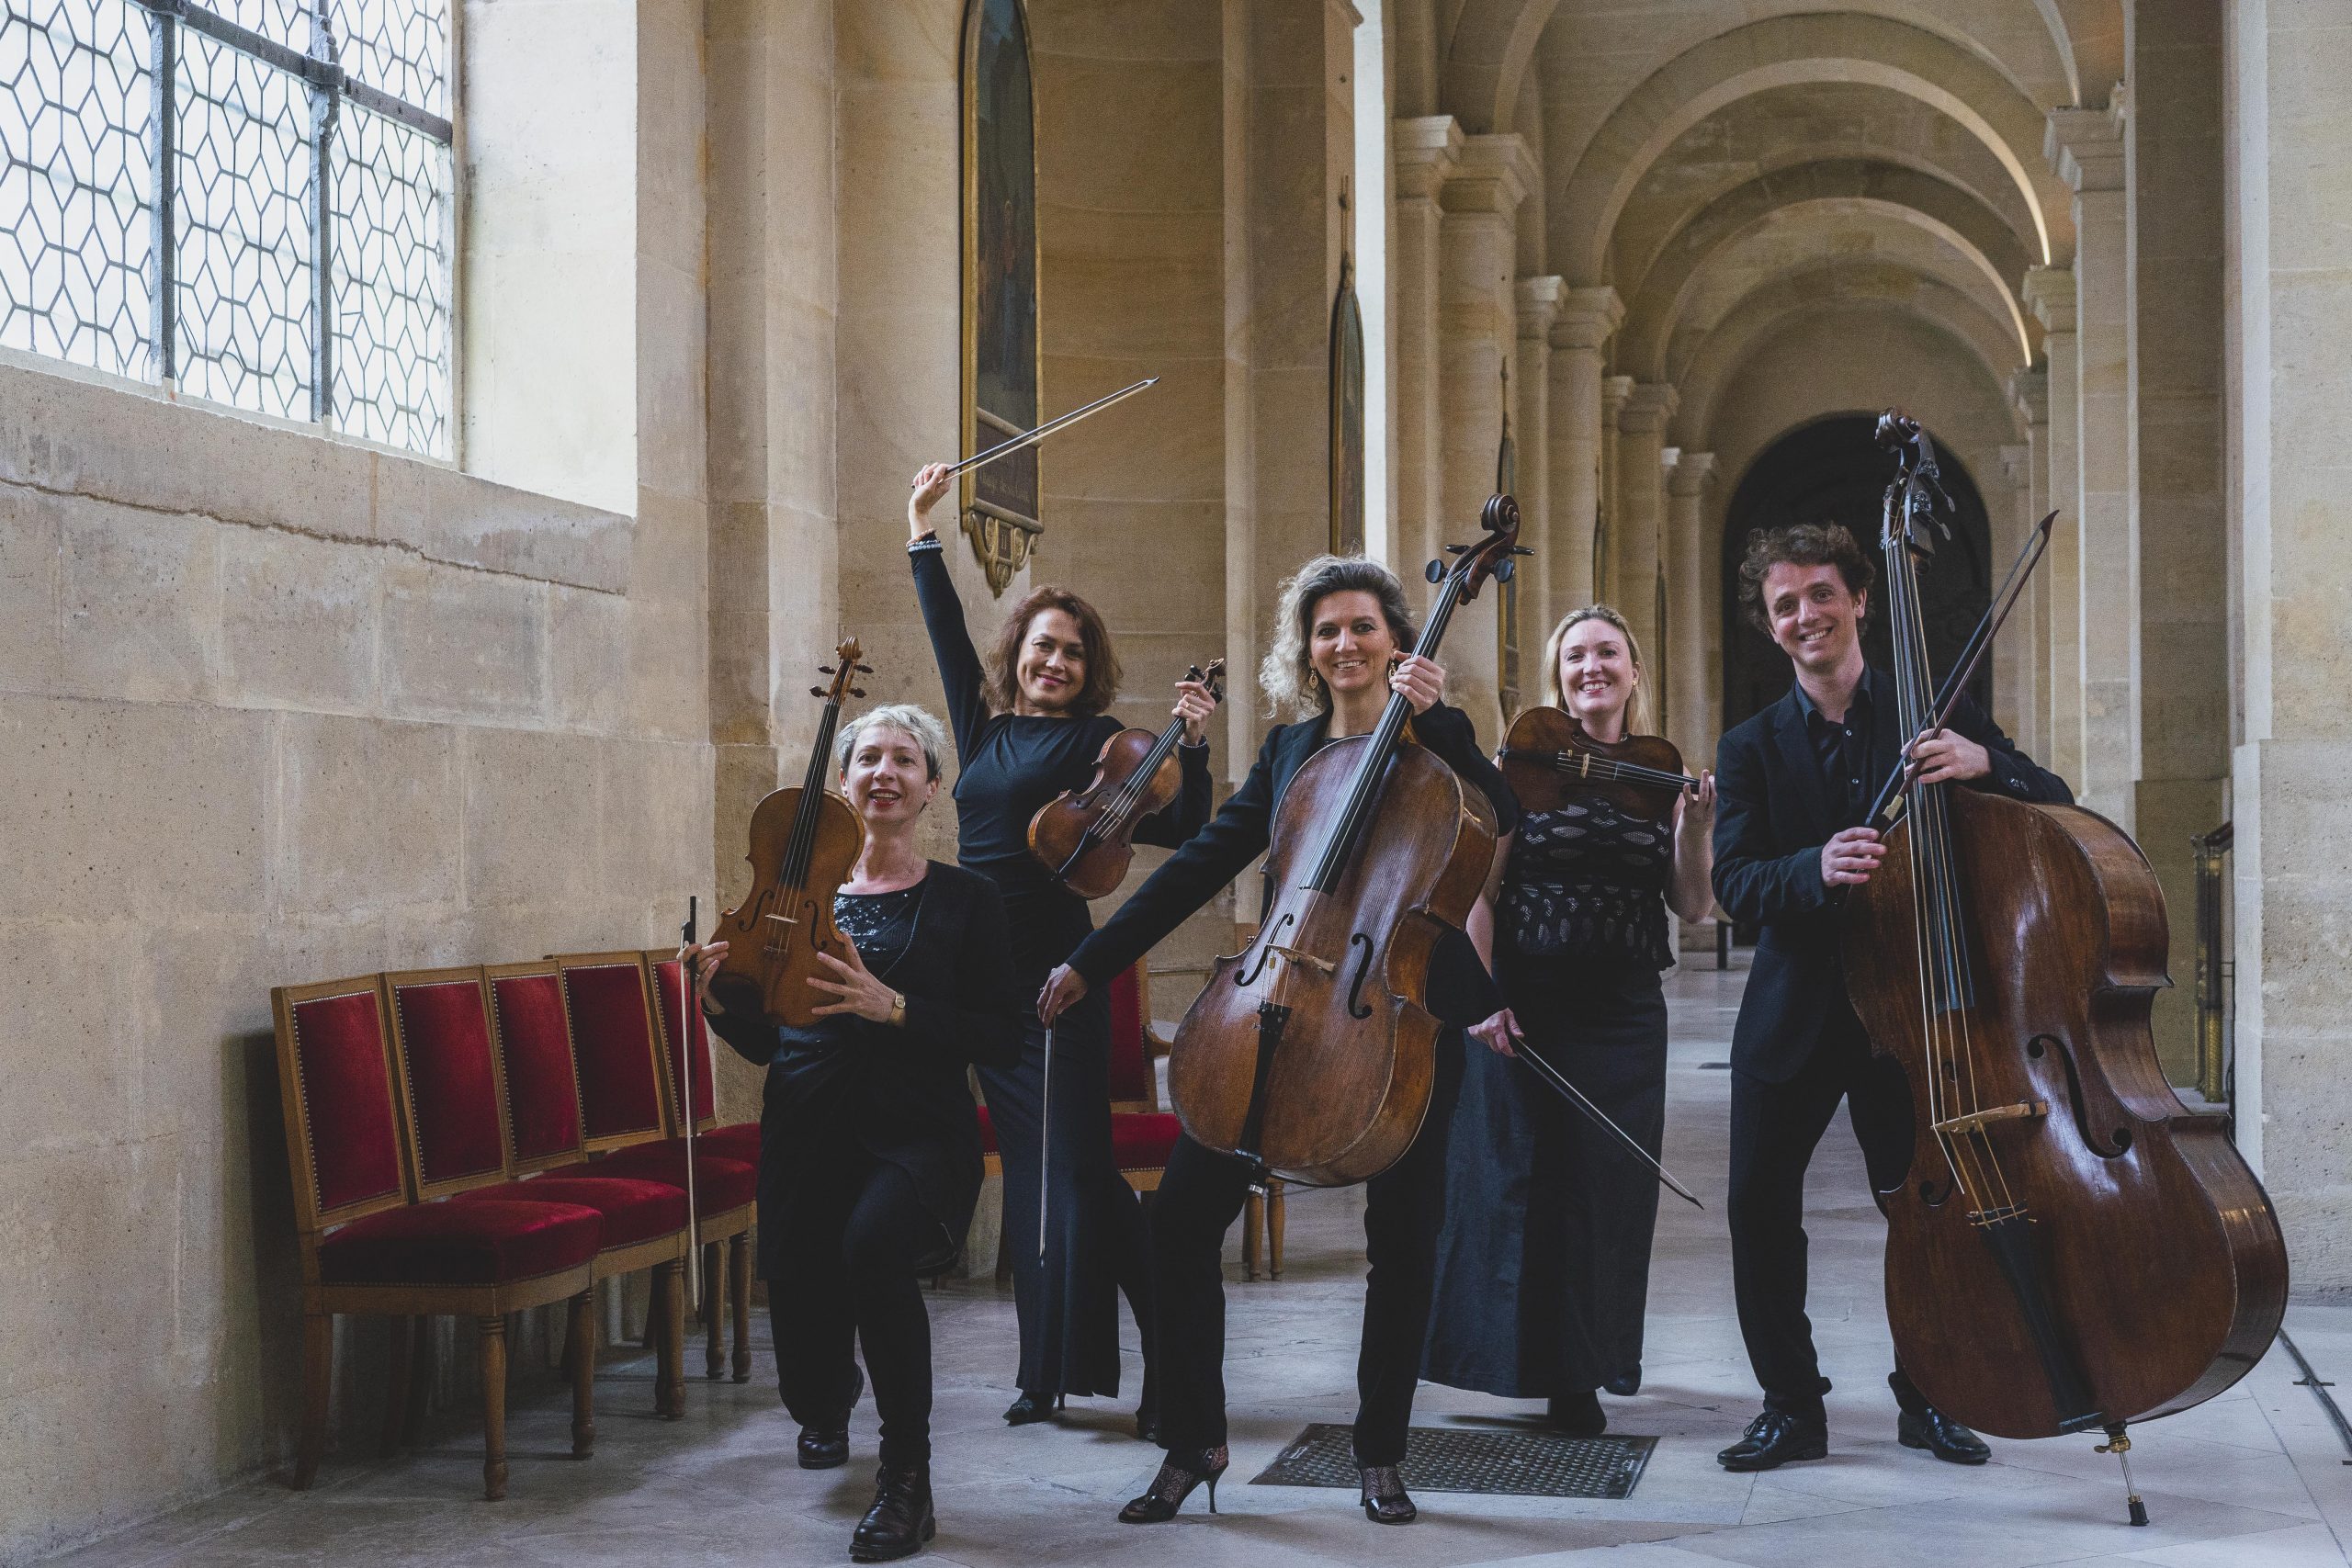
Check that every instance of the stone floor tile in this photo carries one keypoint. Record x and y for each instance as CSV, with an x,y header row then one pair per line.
x,y
2304,1546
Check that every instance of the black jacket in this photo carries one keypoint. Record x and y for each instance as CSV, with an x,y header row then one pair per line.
x,y
899,1094
1461,992
1771,818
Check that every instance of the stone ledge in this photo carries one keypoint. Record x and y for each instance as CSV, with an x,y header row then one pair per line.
x,y
133,446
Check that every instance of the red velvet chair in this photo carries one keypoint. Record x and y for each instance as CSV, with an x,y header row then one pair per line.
x,y
448,1067
366,1248
628,1112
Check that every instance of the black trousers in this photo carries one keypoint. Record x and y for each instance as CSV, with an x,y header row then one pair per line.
x,y
1196,1204
1775,1127
856,1246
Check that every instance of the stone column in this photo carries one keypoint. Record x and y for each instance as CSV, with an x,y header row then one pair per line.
x,y
2085,146
1587,318
2291,91
1692,703
1531,417
1614,390
2029,390
1641,505
2050,293
2011,657
1478,329
1426,151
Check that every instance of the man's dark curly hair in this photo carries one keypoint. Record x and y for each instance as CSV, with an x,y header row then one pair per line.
x,y
1800,544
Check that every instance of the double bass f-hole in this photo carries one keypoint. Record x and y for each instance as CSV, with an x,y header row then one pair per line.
x,y
1361,944
2116,1146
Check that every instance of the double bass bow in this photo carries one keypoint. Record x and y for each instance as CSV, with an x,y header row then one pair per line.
x,y
803,844
1310,1054
1086,837
2072,1248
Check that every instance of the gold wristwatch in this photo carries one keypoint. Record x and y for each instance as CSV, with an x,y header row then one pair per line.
x,y
898,1009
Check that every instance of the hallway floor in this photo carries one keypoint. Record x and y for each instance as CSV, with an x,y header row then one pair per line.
x,y
2254,1478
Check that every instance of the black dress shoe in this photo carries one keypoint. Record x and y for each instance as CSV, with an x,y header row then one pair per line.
x,y
827,1447
1577,1414
1775,1437
901,1519
1385,1501
1930,1428
1624,1385
1032,1407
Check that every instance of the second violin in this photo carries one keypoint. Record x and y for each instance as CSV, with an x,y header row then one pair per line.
x,y
1549,761
1087,837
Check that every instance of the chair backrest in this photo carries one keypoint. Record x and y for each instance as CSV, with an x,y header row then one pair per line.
x,y
446,1065
611,1024
1134,1084
334,1075
534,1047
667,972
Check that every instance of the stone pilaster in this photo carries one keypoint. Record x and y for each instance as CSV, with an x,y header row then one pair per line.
x,y
2050,293
1609,554
1536,597
2029,390
1692,657
1426,151
2012,515
1641,425
1587,319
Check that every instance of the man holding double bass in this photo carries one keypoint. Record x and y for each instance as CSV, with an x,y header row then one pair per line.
x,y
1794,784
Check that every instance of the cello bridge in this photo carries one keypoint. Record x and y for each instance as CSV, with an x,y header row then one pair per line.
x,y
1295,956
1976,1120
2001,1215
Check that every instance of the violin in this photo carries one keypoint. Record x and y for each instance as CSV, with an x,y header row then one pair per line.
x,y
1086,836
1548,760
804,843
2072,1248
1311,1054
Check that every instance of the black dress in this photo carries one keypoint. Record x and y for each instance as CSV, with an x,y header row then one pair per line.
x,y
1543,1271
870,1151
1009,766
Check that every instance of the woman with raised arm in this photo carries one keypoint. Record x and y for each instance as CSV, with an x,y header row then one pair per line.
x,y
1029,724
1535,1194
869,1148
1341,636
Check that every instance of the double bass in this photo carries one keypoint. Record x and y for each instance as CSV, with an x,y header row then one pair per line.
x,y
2072,1249
804,843
1309,1053
1086,837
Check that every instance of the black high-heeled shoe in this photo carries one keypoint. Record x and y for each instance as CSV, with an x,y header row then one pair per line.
x,y
1385,1501
1577,1414
1179,1474
1032,1407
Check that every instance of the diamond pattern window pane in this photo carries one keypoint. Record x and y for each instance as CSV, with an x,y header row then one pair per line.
x,y
74,182
391,188
399,46
243,231
281,21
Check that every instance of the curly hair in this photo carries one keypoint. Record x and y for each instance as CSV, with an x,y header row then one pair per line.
x,y
1800,544
1637,710
1287,672
1003,677
915,722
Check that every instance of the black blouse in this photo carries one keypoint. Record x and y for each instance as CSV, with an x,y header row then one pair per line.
x,y
1010,765
1589,881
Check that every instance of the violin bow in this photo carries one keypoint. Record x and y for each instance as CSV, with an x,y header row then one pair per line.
x,y
1031,438
1570,1092
686,1102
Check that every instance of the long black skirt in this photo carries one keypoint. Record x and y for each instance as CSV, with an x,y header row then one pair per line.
x,y
1544,1264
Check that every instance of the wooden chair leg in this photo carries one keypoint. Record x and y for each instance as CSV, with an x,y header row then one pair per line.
x,y
398,1377
493,1406
580,1355
317,1378
714,1319
739,1282
1253,1223
1275,1231
419,1387
671,1386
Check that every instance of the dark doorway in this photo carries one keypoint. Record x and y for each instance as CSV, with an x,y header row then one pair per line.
x,y
1832,471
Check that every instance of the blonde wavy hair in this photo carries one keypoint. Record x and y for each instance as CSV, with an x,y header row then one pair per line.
x,y
1637,706
1287,672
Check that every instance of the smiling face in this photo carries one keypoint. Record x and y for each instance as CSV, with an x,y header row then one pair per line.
x,y
1051,672
1598,676
1349,643
1813,616
888,780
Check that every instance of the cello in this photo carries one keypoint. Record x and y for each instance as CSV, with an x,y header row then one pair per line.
x,y
1309,1053
2072,1249
1086,837
804,843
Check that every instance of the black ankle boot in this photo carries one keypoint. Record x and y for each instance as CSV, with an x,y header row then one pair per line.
x,y
1385,1501
901,1519
1033,1408
1179,1474
827,1447
1577,1414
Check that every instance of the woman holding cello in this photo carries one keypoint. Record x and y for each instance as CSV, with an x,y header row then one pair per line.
x,y
1029,725
1342,633
1609,841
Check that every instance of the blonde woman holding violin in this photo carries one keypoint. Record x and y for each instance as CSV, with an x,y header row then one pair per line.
x,y
1533,1194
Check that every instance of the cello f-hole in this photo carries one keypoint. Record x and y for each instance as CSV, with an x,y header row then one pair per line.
x,y
1364,966
1266,939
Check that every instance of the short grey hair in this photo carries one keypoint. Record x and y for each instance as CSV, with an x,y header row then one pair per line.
x,y
927,731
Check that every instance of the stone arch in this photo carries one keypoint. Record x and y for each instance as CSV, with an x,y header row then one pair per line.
x,y
1795,50
2090,36
1485,55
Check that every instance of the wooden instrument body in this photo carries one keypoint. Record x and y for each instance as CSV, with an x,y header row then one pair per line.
x,y
1350,1085
1542,758
2161,1254
1058,833
774,936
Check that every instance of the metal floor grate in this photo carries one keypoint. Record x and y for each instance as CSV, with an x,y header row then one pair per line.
x,y
1450,1459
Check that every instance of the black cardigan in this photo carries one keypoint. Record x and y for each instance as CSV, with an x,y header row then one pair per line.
x,y
901,1094
1460,991
1771,818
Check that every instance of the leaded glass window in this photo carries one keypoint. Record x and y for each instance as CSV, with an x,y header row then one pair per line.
x,y
248,200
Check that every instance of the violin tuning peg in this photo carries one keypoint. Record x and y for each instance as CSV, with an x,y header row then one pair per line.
x,y
1436,572
1457,550
1505,570
865,670
824,668
857,691
816,691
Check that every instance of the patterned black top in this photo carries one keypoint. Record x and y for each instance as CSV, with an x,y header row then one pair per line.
x,y
880,924
1588,882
